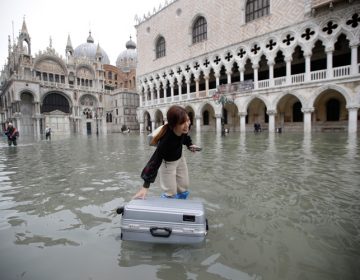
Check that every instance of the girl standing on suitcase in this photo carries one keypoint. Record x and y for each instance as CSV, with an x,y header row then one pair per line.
x,y
168,158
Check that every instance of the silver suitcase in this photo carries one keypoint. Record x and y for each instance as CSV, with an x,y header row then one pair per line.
x,y
164,220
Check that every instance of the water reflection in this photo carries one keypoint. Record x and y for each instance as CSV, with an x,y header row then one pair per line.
x,y
280,206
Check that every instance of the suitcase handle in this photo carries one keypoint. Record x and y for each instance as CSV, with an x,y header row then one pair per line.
x,y
160,231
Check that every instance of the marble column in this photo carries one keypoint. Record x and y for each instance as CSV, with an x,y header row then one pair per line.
x,y
218,123
206,85
353,114
271,114
307,119
198,124
271,73
288,70
307,77
255,68
329,64
354,60
188,89
242,121
228,73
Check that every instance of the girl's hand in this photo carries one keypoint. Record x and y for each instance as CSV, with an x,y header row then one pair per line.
x,y
141,194
195,148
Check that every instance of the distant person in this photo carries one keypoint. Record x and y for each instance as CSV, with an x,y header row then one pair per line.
x,y
168,158
12,133
48,133
257,127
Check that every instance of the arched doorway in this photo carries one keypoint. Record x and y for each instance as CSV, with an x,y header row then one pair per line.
x,y
56,109
289,115
333,110
330,111
159,118
208,118
257,114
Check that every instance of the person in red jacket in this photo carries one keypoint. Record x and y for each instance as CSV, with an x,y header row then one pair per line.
x,y
12,133
168,158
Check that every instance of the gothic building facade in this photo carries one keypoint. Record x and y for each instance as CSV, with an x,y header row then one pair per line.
x,y
290,65
75,94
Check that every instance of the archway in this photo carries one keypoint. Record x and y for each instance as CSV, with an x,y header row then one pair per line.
x,y
159,118
56,109
330,111
208,118
289,115
231,117
257,114
55,101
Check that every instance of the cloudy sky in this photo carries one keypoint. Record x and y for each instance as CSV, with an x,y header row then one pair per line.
x,y
111,23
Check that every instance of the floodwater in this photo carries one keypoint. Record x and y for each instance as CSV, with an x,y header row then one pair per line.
x,y
280,206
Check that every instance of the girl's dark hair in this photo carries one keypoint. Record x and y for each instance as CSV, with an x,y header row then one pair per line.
x,y
175,115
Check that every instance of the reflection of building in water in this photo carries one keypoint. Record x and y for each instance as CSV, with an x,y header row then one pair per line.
x,y
293,65
81,93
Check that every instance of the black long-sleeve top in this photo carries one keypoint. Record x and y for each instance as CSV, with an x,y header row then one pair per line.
x,y
169,148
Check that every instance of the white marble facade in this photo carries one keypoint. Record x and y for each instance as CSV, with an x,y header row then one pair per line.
x,y
294,66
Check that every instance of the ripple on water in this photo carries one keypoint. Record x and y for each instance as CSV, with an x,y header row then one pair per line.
x,y
279,207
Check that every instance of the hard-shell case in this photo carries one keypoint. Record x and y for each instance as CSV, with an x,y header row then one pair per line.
x,y
164,220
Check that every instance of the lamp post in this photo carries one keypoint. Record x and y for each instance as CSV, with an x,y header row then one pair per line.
x,y
96,120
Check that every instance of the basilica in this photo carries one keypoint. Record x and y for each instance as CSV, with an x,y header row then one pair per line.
x,y
238,64
80,93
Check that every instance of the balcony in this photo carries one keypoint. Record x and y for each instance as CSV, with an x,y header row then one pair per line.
x,y
250,86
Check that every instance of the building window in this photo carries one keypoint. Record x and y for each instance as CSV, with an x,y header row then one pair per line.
x,y
199,31
160,47
256,9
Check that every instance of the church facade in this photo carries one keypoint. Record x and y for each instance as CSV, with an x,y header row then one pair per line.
x,y
81,93
286,65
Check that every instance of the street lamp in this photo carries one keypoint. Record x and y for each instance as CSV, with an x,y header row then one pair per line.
x,y
96,120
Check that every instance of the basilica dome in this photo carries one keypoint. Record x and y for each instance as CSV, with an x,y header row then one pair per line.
x,y
89,49
127,59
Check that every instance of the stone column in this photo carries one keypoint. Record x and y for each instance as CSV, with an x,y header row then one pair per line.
x,y
288,70
307,67
329,64
198,124
37,128
157,97
241,70
354,58
307,119
255,67
180,90
271,73
141,127
353,113
197,86
152,125
172,91
206,85
146,97
271,114
217,76
188,88
242,121
152,95
228,73
218,123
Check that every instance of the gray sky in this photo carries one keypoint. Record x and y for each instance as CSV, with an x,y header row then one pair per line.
x,y
111,23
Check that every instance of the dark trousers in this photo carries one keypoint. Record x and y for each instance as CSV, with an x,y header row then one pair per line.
x,y
12,141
